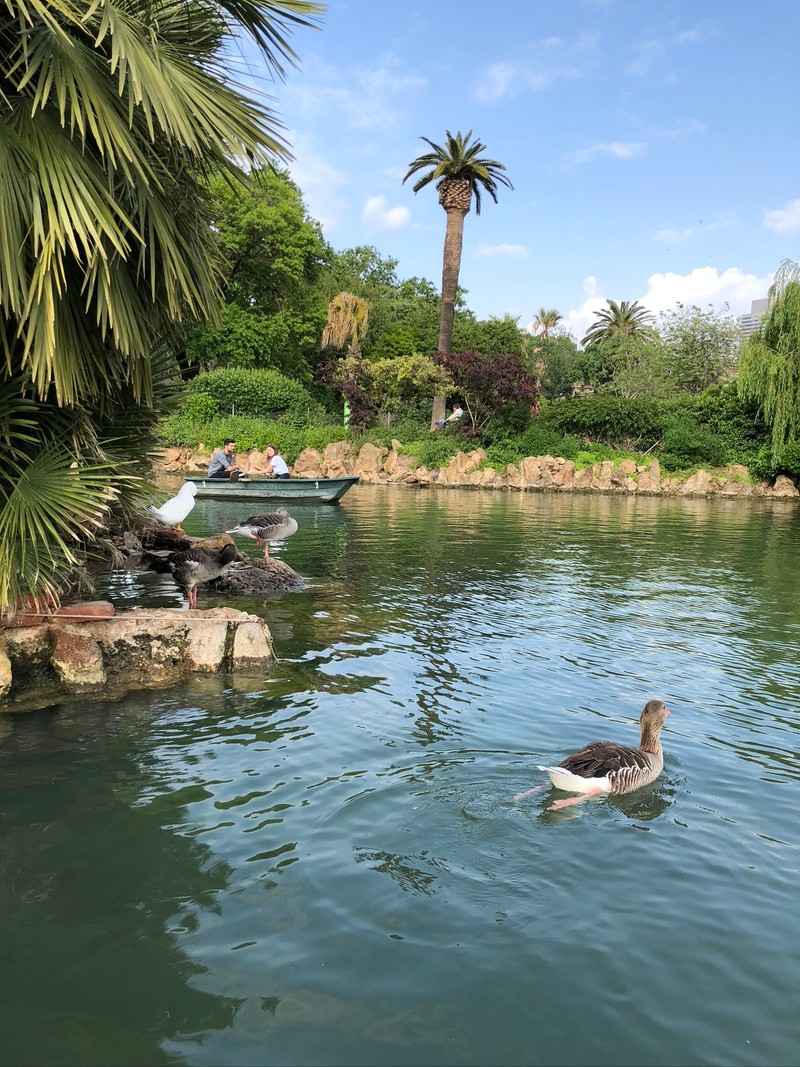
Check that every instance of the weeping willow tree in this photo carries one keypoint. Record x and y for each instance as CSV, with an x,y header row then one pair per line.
x,y
769,368
113,116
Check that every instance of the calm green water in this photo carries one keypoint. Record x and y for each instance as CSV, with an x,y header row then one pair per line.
x,y
327,866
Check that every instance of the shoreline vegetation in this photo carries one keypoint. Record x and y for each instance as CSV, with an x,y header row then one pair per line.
x,y
393,465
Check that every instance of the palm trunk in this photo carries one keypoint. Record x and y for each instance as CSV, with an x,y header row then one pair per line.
x,y
451,265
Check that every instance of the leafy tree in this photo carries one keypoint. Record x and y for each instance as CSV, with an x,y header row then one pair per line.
x,y
619,320
702,346
459,171
546,321
557,363
769,370
487,384
273,255
406,379
113,118
490,336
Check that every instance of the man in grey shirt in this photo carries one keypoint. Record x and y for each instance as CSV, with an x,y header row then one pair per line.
x,y
222,465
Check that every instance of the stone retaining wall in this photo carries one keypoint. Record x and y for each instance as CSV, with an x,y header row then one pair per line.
x,y
74,655
466,469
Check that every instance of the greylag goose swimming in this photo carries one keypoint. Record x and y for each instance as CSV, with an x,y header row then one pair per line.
x,y
606,767
193,567
266,528
175,510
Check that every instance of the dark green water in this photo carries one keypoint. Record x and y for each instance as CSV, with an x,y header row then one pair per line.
x,y
327,866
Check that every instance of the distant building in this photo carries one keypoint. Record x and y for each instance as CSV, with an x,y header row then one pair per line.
x,y
750,323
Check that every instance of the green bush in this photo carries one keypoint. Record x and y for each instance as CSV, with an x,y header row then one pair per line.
x,y
608,419
764,466
541,440
687,443
437,449
262,393
200,407
248,433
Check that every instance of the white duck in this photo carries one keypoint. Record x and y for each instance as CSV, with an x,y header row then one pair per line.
x,y
606,767
266,528
175,510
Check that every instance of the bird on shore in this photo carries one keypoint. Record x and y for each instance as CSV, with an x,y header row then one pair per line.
x,y
606,767
175,510
193,567
265,528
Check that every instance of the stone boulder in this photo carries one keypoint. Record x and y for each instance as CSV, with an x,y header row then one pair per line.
x,y
338,460
784,487
258,577
308,464
369,462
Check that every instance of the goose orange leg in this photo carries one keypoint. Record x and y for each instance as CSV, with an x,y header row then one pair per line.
x,y
558,804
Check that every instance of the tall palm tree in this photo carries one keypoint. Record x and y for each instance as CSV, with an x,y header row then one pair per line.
x,y
459,172
620,320
546,320
113,117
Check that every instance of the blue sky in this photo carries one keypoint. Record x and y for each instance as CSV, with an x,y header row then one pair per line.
x,y
653,146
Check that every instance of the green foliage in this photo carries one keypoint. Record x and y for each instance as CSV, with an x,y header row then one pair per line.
x,y
686,443
558,363
769,372
265,393
248,433
620,320
200,407
542,440
407,378
437,449
702,347
607,418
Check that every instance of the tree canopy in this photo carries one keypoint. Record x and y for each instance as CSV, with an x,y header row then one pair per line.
x,y
769,370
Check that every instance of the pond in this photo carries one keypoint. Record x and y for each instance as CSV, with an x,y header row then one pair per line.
x,y
328,865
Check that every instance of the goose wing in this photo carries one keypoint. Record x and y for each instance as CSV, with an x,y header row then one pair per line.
x,y
606,758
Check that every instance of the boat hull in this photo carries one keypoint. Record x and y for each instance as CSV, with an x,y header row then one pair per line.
x,y
313,490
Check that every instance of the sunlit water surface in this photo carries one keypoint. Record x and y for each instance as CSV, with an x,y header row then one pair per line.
x,y
327,865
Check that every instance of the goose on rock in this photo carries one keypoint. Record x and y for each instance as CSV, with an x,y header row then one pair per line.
x,y
266,528
193,567
175,510
606,767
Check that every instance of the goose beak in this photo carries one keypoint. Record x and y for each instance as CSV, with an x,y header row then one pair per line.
x,y
667,712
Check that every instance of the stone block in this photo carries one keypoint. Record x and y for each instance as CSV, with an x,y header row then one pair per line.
x,y
77,661
252,649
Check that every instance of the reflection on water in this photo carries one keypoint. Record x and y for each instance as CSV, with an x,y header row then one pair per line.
x,y
327,865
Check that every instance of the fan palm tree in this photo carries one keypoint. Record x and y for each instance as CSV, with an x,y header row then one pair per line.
x,y
113,117
620,320
348,317
460,172
546,320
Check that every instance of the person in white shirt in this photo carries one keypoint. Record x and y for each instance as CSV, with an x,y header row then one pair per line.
x,y
454,416
277,464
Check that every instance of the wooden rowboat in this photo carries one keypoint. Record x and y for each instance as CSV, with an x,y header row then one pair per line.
x,y
313,490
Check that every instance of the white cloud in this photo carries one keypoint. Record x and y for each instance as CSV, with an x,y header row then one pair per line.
x,y
705,285
673,237
613,149
702,286
359,97
784,220
549,60
487,251
380,216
